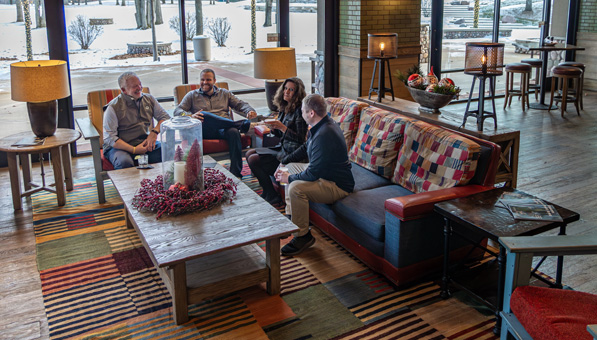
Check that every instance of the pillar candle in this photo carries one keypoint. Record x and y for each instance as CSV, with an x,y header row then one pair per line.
x,y
179,168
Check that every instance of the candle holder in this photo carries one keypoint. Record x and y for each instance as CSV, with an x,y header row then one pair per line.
x,y
382,47
483,61
182,153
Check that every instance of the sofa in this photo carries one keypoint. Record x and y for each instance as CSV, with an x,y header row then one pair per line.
x,y
402,167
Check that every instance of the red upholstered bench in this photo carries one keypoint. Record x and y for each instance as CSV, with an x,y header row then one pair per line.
x,y
545,313
554,314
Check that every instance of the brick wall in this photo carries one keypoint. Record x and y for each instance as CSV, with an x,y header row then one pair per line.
x,y
587,38
358,18
588,16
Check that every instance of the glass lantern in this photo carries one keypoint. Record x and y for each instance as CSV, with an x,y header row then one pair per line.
x,y
182,153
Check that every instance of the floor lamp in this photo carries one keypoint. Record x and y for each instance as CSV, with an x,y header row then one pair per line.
x,y
483,61
274,64
382,47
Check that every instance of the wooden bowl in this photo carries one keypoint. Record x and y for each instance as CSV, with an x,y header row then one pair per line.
x,y
430,102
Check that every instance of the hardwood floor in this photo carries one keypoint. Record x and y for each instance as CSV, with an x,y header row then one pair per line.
x,y
557,161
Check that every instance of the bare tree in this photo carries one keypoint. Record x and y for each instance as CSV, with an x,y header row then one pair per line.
x,y
140,15
19,4
158,12
218,29
268,13
83,32
199,17
189,23
40,16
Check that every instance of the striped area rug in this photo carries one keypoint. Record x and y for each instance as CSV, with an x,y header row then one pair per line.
x,y
99,283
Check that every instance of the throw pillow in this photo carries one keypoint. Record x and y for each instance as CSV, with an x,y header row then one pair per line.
x,y
346,113
378,140
433,158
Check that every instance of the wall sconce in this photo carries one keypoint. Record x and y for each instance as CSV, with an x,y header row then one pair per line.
x,y
382,47
274,64
483,61
40,83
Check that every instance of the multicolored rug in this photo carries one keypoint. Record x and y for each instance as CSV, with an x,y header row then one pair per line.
x,y
99,283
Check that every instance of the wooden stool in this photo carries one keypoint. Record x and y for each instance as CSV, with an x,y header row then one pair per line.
x,y
582,78
535,64
523,92
565,73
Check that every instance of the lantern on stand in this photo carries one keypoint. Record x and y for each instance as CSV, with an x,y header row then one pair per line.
x,y
182,153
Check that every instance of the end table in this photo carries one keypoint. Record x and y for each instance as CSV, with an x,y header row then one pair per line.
x,y
59,149
482,214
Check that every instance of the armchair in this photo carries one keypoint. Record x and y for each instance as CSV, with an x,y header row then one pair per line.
x,y
92,129
209,145
545,313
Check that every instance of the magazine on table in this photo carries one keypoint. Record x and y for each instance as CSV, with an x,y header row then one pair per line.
x,y
30,141
527,208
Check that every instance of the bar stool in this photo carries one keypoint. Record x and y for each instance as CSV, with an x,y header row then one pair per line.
x,y
535,64
582,78
562,75
523,92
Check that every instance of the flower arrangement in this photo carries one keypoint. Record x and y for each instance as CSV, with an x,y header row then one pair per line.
x,y
431,93
178,199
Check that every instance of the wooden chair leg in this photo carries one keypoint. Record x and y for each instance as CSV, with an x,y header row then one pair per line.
x,y
578,96
507,89
553,88
564,95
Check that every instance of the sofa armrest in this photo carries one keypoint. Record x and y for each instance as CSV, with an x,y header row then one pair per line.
x,y
412,206
87,129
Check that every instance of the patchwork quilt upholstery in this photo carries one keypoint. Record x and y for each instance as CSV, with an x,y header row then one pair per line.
x,y
346,113
378,140
433,158
552,314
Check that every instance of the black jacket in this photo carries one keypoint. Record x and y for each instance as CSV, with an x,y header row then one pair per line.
x,y
326,151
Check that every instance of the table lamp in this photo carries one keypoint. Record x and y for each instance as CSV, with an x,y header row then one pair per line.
x,y
274,64
40,83
382,47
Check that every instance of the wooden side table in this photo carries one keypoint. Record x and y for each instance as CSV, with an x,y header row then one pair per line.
x,y
481,214
59,149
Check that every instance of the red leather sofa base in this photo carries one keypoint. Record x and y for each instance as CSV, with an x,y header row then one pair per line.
x,y
398,276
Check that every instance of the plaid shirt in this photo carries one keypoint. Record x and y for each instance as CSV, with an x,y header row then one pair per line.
x,y
295,135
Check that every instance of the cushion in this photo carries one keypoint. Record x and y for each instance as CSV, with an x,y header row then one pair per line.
x,y
433,158
378,140
365,209
106,165
221,145
346,113
367,179
552,314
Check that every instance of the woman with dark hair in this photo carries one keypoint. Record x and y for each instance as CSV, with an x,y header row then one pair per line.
x,y
290,127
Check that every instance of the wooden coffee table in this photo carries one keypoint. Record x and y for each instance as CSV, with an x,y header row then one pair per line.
x,y
481,214
210,253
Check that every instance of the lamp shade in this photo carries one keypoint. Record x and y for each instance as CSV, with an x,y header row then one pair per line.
x,y
484,58
38,81
382,45
274,63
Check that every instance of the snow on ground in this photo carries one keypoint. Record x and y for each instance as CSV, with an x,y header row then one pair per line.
x,y
113,41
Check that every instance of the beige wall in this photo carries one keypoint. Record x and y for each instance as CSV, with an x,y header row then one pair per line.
x,y
588,40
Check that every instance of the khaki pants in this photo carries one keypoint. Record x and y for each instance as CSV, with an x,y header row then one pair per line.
x,y
299,193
